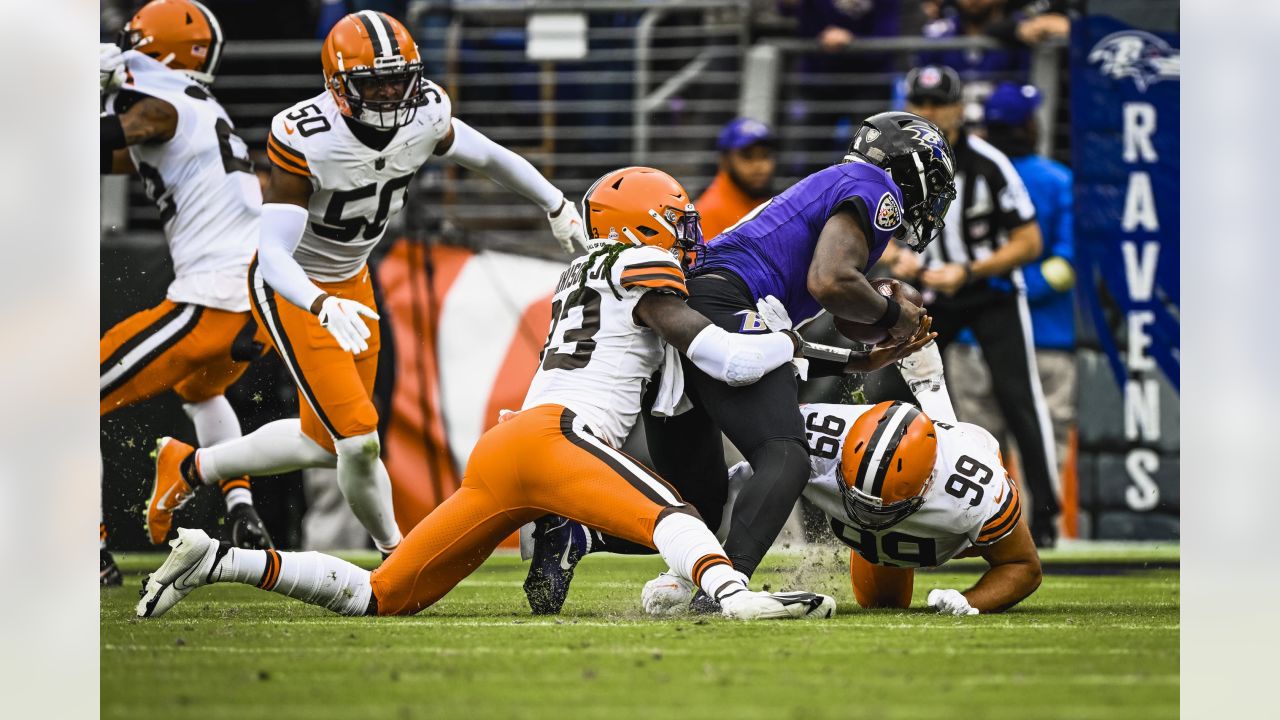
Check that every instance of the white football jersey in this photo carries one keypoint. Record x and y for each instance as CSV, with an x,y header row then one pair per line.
x,y
598,357
356,189
970,501
202,182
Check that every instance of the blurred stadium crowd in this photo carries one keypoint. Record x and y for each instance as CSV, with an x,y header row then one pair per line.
x,y
736,98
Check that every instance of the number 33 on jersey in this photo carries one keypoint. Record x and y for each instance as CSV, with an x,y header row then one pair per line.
x,y
356,188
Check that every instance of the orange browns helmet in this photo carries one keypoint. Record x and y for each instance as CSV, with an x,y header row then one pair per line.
x,y
887,464
372,68
181,34
646,207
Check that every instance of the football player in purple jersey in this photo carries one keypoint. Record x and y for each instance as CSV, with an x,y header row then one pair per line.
x,y
811,247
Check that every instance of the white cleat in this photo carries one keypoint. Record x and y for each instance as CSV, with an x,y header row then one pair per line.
x,y
666,595
186,569
795,605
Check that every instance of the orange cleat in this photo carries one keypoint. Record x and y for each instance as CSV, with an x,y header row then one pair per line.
x,y
170,490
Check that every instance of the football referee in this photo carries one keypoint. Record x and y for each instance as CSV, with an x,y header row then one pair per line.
x,y
971,278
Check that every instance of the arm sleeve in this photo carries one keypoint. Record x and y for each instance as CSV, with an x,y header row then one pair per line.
x,y
474,151
280,230
739,359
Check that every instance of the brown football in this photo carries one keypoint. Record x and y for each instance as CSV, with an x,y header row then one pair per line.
x,y
870,334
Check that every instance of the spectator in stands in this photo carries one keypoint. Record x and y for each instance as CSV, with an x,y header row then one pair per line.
x,y
745,178
1026,26
1050,280
836,24
830,89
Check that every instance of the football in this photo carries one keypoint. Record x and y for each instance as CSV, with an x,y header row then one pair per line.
x,y
870,334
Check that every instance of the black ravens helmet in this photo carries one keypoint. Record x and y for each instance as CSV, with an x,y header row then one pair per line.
x,y
916,155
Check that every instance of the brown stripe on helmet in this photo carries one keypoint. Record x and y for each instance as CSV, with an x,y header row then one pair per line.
x,y
886,461
379,50
394,48
214,58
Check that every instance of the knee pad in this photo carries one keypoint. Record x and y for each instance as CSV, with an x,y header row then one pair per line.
x,y
361,448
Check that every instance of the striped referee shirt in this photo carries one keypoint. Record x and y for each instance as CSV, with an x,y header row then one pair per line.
x,y
991,200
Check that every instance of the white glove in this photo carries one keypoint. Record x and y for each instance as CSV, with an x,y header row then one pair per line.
x,y
568,227
950,602
110,67
923,368
667,594
342,319
774,315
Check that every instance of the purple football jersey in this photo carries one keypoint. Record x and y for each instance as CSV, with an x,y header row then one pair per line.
x,y
771,249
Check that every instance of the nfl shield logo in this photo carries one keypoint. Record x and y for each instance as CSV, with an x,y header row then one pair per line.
x,y
888,215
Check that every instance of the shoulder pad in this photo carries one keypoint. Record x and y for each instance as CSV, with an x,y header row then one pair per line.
x,y
438,111
1004,518
649,268
285,143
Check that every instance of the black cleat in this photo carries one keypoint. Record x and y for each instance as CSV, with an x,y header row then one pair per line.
x,y
558,545
109,574
247,530
704,604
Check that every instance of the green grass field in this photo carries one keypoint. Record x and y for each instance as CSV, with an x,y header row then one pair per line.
x,y
1097,645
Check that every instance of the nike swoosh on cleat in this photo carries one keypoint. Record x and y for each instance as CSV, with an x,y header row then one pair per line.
x,y
564,559
162,503
180,582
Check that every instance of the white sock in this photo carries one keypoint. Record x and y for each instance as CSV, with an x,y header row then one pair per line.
x,y
364,482
277,447
311,577
216,422
692,552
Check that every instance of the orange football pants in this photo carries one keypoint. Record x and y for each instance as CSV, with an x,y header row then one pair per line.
x,y
877,586
196,351
541,461
336,386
